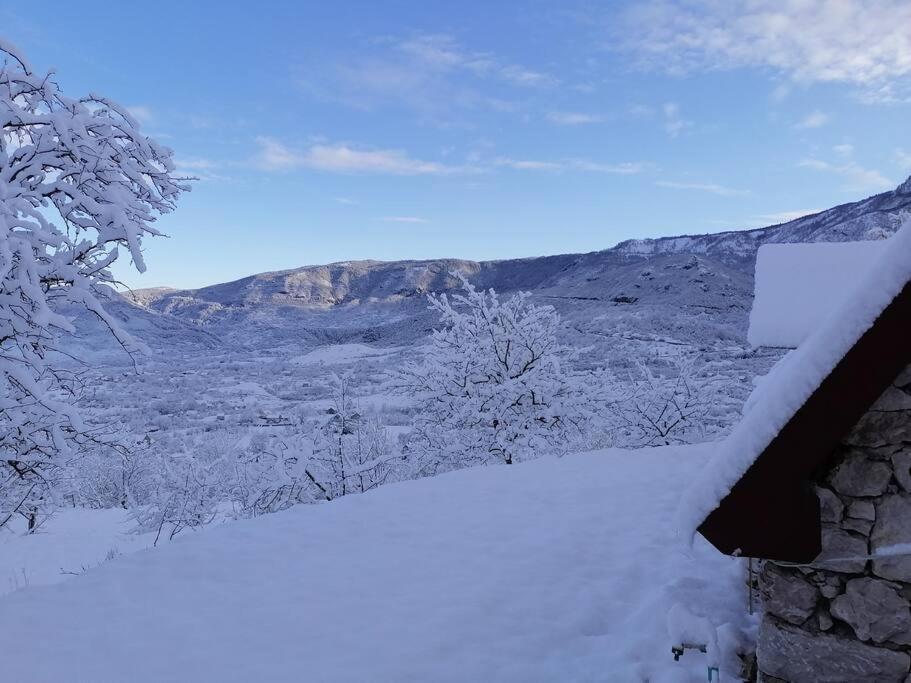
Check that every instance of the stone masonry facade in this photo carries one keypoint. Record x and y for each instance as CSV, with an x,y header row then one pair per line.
x,y
850,619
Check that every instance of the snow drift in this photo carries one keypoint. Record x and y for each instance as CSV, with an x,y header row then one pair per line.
x,y
557,569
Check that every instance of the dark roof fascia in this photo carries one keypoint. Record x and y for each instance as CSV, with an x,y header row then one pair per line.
x,y
772,511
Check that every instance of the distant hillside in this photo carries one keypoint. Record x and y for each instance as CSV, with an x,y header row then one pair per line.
x,y
695,289
876,215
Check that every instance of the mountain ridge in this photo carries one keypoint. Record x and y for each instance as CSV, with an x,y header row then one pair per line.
x,y
373,281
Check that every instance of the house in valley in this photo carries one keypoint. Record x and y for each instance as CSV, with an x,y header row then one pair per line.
x,y
815,481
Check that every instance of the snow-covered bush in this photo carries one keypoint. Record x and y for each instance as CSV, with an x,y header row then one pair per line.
x,y
664,403
186,489
112,473
352,452
493,386
78,181
271,475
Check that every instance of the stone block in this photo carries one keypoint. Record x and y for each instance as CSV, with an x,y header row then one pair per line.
x,y
901,466
858,475
862,509
829,591
893,399
794,655
875,610
838,544
831,509
786,594
892,527
877,428
860,526
904,378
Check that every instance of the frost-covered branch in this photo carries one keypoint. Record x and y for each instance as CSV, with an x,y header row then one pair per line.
x,y
78,184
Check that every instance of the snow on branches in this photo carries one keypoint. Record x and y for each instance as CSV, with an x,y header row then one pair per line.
x,y
351,452
672,403
78,182
492,386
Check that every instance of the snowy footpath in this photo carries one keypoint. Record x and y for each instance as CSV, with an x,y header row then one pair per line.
x,y
554,570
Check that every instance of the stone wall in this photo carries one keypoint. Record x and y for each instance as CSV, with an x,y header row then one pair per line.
x,y
850,619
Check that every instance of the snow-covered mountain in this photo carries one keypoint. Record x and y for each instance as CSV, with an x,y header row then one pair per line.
x,y
242,348
874,217
693,287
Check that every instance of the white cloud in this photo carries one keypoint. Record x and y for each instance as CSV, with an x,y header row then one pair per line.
x,y
274,155
674,123
780,92
403,219
568,118
199,168
844,150
342,158
526,77
712,188
528,164
863,42
903,159
431,74
623,168
442,52
196,163
815,119
857,178
142,114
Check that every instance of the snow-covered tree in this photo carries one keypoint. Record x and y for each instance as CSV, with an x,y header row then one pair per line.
x,y
670,403
351,453
186,489
271,475
78,183
493,385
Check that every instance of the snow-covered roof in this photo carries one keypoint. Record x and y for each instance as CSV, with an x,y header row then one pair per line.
x,y
790,384
799,285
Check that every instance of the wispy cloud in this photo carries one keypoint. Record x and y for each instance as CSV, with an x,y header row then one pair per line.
x,y
404,219
199,168
142,113
815,119
568,118
571,164
843,150
343,158
443,52
712,188
674,123
345,201
196,163
856,178
431,74
274,155
528,164
850,41
903,159
780,92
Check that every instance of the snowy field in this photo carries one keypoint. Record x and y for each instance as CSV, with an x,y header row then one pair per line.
x,y
556,569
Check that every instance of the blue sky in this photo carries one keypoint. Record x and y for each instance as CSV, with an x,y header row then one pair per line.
x,y
334,131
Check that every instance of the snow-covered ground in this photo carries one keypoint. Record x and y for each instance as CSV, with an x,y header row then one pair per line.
x,y
71,542
343,353
557,569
